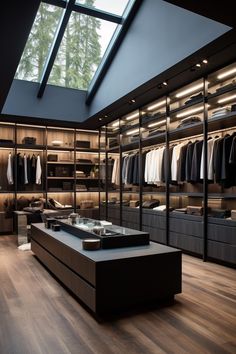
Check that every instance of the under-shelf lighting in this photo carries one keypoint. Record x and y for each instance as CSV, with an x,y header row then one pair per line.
x,y
156,124
189,90
226,73
226,99
115,124
132,116
156,105
133,131
190,111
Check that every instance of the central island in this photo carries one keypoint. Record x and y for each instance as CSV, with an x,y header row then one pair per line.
x,y
109,280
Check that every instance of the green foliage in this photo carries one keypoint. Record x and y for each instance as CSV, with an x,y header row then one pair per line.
x,y
78,55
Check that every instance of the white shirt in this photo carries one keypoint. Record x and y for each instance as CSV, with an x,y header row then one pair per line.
x,y
38,171
25,170
174,161
210,149
10,170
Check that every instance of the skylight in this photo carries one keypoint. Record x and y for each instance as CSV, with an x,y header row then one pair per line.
x,y
84,43
81,43
40,39
113,6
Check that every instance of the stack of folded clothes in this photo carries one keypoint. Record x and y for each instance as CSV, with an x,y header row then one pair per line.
x,y
194,98
189,120
221,111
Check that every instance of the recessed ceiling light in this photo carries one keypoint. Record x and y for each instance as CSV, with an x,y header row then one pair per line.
x,y
205,61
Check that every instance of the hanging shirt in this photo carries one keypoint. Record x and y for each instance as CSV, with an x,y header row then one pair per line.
x,y
210,169
196,162
116,171
25,170
38,171
10,170
174,162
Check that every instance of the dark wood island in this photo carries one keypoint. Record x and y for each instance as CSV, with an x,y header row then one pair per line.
x,y
108,280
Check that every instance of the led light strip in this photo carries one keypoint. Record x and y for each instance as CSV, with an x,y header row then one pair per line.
x,y
226,73
189,90
134,115
226,99
156,105
156,124
132,132
194,110
116,124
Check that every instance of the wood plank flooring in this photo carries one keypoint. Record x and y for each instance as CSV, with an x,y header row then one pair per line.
x,y
38,316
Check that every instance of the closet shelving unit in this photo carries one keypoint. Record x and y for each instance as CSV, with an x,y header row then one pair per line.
x,y
160,124
56,141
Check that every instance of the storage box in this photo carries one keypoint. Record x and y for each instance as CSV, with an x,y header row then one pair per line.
x,y
29,140
217,203
86,204
194,210
62,171
52,157
134,203
82,144
66,186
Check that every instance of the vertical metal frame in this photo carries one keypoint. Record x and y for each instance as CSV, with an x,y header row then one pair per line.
x,y
205,180
167,169
106,172
141,167
74,187
121,165
99,173
46,169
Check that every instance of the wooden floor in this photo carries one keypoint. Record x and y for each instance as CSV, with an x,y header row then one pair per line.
x,y
37,315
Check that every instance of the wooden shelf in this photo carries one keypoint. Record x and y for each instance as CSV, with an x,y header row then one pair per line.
x,y
179,109
30,147
61,191
87,150
59,148
187,194
60,163
60,178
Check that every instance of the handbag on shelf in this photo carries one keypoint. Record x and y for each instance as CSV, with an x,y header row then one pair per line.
x,y
220,213
150,204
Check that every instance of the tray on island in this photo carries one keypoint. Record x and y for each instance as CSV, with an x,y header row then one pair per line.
x,y
112,238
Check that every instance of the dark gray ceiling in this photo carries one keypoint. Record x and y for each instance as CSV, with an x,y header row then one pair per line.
x,y
221,11
16,19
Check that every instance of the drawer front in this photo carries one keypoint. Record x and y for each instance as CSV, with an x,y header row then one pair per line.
x,y
71,280
186,242
71,258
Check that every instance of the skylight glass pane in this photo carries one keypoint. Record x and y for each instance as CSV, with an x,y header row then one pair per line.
x,y
39,42
84,43
114,6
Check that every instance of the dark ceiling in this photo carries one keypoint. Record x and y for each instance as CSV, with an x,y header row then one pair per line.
x,y
22,14
221,11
